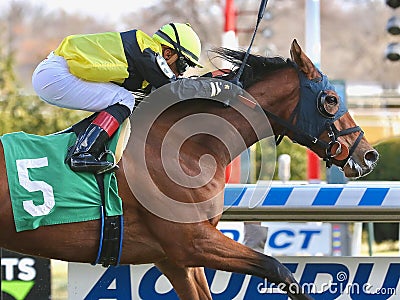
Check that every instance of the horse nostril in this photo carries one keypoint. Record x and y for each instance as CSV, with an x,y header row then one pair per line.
x,y
371,157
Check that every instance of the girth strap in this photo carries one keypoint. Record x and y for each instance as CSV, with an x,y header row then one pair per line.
x,y
111,233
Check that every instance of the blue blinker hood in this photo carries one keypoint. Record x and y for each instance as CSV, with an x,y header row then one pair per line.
x,y
309,119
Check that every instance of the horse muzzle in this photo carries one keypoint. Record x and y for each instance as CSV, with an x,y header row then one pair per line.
x,y
356,168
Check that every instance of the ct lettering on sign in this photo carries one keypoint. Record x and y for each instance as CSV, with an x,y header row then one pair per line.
x,y
298,238
287,238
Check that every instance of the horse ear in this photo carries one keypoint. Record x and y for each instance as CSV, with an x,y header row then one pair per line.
x,y
303,62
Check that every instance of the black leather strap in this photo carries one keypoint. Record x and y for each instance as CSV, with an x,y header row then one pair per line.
x,y
111,243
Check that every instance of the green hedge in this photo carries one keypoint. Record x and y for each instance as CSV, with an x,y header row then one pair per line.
x,y
388,167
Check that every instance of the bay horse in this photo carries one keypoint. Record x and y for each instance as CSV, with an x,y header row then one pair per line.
x,y
171,177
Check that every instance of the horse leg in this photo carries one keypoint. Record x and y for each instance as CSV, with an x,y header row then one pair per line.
x,y
189,282
208,247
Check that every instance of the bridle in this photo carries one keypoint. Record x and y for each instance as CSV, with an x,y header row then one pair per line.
x,y
308,140
317,121
307,126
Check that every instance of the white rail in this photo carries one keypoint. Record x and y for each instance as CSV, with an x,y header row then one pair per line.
x,y
313,202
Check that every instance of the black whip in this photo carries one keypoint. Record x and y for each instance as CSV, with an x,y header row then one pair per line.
x,y
261,11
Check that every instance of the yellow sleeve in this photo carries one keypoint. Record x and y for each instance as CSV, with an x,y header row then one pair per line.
x,y
144,41
95,57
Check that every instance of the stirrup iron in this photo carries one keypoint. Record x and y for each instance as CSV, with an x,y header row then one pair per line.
x,y
114,165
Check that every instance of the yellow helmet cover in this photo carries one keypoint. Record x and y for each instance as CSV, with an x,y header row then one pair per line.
x,y
181,38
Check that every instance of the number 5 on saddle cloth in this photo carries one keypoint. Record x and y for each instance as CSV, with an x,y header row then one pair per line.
x,y
45,191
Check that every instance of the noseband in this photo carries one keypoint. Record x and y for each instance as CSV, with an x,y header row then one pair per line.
x,y
310,119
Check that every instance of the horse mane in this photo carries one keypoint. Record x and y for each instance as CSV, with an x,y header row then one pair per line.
x,y
256,67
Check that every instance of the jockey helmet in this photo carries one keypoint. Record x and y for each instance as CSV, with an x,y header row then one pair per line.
x,y
183,39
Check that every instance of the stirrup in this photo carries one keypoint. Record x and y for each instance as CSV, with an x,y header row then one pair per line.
x,y
111,168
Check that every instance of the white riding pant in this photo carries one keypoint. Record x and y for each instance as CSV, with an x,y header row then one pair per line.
x,y
54,83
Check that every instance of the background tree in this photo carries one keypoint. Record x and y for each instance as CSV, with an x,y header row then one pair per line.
x,y
28,33
22,112
352,31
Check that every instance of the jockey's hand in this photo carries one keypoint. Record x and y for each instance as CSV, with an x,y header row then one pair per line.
x,y
225,91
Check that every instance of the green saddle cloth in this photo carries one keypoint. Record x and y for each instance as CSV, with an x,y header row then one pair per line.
x,y
45,191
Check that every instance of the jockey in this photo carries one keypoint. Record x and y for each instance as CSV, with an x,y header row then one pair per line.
x,y
97,72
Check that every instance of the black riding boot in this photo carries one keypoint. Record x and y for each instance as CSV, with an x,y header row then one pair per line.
x,y
88,148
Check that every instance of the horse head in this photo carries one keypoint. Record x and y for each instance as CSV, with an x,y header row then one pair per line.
x,y
302,104
324,115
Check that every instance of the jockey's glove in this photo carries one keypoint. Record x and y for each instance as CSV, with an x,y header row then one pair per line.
x,y
225,91
205,88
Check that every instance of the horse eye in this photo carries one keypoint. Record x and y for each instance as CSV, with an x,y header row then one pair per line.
x,y
331,100
328,104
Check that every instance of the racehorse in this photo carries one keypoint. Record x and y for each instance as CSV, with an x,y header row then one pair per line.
x,y
181,247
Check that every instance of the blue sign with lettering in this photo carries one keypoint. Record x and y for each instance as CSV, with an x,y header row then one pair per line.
x,y
352,278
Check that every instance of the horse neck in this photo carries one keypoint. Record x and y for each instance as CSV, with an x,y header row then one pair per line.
x,y
277,93
225,132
